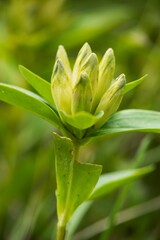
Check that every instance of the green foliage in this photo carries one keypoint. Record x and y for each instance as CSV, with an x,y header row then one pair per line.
x,y
131,121
132,85
41,86
29,101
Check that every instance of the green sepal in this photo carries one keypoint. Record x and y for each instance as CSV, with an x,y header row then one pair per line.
x,y
75,180
129,86
109,182
32,102
39,84
81,120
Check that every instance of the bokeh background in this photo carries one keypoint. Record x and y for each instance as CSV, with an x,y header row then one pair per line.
x,y
30,32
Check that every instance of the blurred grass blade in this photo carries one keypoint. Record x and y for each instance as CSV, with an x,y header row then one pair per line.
x,y
39,84
25,224
90,24
121,198
131,121
23,98
132,85
111,181
124,216
76,219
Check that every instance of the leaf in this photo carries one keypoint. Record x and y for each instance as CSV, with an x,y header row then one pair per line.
x,y
111,181
81,120
132,85
131,121
72,176
39,84
23,98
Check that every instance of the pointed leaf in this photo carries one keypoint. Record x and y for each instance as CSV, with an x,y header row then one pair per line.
x,y
81,120
23,98
132,85
111,181
72,176
131,121
39,84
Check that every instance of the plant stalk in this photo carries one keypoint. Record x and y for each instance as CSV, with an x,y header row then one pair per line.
x,y
61,230
61,226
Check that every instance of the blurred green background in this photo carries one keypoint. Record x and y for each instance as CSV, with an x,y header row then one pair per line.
x,y
30,32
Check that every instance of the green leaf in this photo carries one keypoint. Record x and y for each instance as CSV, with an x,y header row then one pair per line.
x,y
81,120
131,121
39,84
72,176
111,181
132,85
23,98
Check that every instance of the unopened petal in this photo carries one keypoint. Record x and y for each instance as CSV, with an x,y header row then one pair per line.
x,y
61,88
111,100
82,95
83,54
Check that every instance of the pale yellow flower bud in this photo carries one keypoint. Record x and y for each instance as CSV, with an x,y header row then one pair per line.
x,y
62,55
111,100
83,54
82,95
91,68
61,88
106,73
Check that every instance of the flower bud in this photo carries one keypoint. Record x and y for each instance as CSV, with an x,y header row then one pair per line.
x,y
83,54
106,73
62,55
82,95
111,100
61,88
91,68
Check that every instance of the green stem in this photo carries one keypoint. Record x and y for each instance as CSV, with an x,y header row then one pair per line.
x,y
61,230
61,226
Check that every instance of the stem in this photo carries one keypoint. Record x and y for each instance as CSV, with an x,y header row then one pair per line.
x,y
61,230
63,219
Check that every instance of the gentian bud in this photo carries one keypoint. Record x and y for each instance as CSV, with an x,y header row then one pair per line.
x,y
91,68
61,88
82,95
83,54
106,74
111,100
62,55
